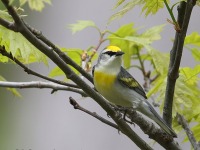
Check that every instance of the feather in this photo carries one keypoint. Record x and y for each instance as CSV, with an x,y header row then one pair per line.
x,y
128,81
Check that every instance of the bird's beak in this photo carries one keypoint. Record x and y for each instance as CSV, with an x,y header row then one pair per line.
x,y
119,53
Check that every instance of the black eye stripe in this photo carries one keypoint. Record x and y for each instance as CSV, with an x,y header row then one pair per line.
x,y
110,53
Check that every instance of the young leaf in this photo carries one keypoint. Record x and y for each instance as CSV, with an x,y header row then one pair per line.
x,y
37,5
55,72
190,74
5,15
80,25
126,8
196,53
20,47
119,2
152,6
126,46
153,33
160,60
192,43
74,54
12,90
3,59
145,39
192,39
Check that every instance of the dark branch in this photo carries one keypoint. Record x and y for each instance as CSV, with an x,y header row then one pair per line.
x,y
93,114
8,25
154,132
29,71
185,126
184,13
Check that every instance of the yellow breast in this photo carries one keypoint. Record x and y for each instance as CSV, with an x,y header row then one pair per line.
x,y
103,82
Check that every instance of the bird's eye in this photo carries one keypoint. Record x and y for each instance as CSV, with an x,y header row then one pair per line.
x,y
110,53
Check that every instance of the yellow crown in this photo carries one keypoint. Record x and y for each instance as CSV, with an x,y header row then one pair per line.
x,y
113,48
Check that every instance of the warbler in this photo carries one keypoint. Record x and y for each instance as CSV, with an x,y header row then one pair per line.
x,y
114,83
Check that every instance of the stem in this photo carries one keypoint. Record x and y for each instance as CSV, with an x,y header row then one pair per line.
x,y
185,126
184,13
141,63
172,15
93,114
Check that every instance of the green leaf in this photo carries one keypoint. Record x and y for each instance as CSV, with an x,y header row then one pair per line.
x,y
12,90
145,39
148,7
196,53
37,5
126,8
55,72
5,15
152,6
3,59
20,47
157,85
126,46
190,74
119,2
192,43
192,39
80,25
153,33
74,54
160,60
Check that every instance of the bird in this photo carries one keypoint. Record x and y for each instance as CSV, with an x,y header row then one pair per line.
x,y
120,88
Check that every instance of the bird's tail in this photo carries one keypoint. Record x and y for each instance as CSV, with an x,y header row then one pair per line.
x,y
149,111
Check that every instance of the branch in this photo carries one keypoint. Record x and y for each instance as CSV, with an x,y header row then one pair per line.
x,y
44,48
184,13
40,84
154,132
141,63
29,71
93,114
8,25
185,126
61,54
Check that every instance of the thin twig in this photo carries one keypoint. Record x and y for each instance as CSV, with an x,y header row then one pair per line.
x,y
93,114
141,63
29,71
41,84
185,126
184,13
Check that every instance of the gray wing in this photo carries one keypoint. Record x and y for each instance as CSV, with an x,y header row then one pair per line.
x,y
128,81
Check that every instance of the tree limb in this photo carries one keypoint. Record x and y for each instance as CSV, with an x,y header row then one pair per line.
x,y
184,13
29,71
93,114
61,54
154,132
124,127
41,84
185,126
